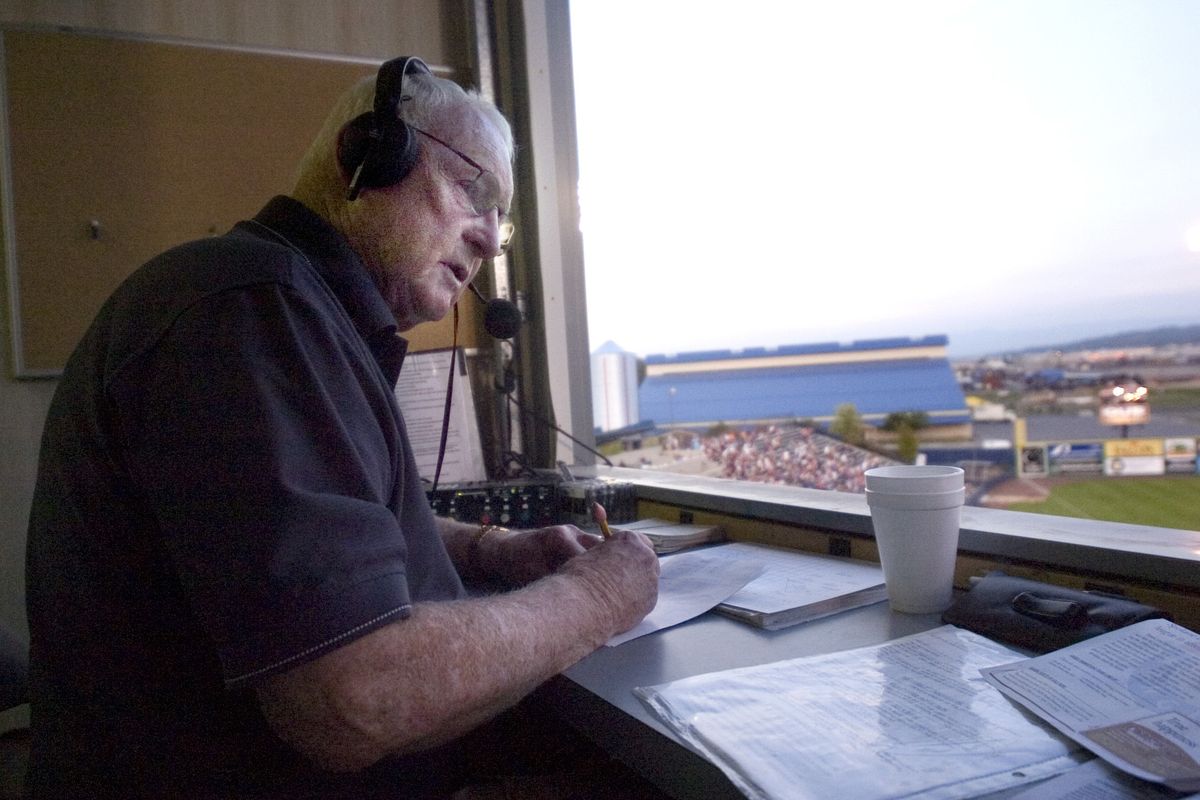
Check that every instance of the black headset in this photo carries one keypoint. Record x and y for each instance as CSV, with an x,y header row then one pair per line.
x,y
376,148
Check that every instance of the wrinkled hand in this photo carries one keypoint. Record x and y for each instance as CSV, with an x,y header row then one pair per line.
x,y
524,556
622,574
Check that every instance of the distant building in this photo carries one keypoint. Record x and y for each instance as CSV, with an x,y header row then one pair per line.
x,y
614,388
806,382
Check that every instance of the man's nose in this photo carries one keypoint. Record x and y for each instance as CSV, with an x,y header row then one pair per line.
x,y
484,235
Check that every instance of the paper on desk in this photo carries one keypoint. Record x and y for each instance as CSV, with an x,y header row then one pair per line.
x,y
909,718
795,579
690,584
1097,780
1131,696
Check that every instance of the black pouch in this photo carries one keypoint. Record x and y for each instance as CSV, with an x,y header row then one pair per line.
x,y
1040,616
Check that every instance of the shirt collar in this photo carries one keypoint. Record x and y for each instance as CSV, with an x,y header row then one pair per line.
x,y
343,271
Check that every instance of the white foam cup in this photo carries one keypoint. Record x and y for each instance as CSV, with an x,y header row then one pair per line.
x,y
932,500
915,512
910,479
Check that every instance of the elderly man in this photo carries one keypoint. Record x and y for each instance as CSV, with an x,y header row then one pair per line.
x,y
236,586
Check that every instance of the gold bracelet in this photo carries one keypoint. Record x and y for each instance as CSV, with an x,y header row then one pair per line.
x,y
477,539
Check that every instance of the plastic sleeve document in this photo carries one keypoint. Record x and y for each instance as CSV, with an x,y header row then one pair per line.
x,y
909,718
1131,696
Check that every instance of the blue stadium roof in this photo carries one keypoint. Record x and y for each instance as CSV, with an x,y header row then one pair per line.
x,y
876,388
939,340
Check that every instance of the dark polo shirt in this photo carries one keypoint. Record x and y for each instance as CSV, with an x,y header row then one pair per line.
x,y
225,491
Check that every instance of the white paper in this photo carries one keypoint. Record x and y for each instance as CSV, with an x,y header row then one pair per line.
x,y
1097,780
795,578
688,585
421,393
1131,696
908,718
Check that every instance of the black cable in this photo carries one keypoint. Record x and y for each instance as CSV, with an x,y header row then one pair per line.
x,y
550,424
437,473
523,468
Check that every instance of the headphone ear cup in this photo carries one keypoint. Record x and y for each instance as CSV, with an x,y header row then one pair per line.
x,y
386,153
354,142
377,149
392,156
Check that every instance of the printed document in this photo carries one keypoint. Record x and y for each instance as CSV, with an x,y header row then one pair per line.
x,y
910,718
421,393
1131,696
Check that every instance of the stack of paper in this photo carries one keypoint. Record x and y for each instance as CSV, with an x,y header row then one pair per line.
x,y
797,586
669,537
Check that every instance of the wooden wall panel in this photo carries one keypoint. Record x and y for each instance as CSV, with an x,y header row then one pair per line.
x,y
366,30
152,143
375,29
157,143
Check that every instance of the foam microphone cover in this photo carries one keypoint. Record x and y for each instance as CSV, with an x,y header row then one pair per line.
x,y
502,318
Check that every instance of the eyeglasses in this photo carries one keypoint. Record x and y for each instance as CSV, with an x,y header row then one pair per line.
x,y
483,191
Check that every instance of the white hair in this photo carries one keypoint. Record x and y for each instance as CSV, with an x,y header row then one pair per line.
x,y
425,102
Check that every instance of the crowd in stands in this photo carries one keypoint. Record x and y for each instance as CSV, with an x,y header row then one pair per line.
x,y
791,456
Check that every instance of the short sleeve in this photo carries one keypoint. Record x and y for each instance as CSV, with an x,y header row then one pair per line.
x,y
262,433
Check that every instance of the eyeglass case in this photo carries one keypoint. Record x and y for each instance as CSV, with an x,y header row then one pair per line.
x,y
1040,616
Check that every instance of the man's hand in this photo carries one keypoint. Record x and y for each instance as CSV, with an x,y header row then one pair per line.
x,y
520,557
622,573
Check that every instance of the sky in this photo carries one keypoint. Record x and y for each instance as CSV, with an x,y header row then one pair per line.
x,y
1009,173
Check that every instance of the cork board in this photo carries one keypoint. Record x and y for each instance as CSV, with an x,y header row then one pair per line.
x,y
156,143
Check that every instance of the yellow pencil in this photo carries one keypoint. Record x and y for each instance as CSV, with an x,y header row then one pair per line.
x,y
601,518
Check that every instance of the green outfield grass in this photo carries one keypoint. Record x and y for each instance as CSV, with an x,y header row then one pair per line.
x,y
1168,502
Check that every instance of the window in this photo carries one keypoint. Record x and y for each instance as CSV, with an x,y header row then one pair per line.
x,y
958,221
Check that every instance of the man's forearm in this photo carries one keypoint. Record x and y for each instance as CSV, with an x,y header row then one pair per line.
x,y
427,679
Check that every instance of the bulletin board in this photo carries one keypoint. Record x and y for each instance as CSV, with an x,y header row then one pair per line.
x,y
120,148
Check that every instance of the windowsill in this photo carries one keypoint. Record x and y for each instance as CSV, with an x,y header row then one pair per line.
x,y
1153,555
